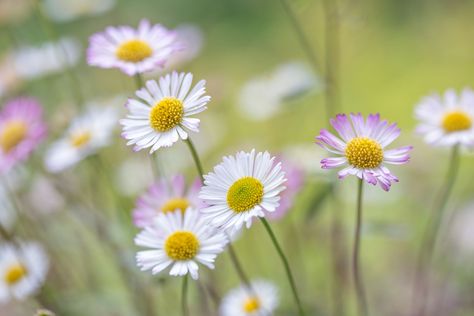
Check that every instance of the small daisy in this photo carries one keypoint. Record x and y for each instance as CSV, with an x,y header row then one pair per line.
x,y
22,270
159,118
181,241
132,51
241,188
21,130
85,136
448,120
238,302
361,151
164,197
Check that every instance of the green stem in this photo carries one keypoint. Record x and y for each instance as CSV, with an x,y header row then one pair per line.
x,y
196,159
139,82
285,264
184,294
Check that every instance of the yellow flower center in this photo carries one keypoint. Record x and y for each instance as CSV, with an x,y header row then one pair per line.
x,y
456,121
364,153
12,134
182,245
252,305
244,194
175,204
134,51
166,114
15,273
80,139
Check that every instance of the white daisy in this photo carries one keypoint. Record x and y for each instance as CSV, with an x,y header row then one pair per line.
x,y
163,112
85,136
448,120
22,270
68,10
241,188
238,302
181,241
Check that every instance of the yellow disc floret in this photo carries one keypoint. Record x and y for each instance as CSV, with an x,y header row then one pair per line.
x,y
12,134
134,51
252,305
182,245
245,194
166,114
456,121
80,139
364,153
175,204
15,273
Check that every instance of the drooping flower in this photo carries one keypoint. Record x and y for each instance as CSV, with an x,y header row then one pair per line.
x,y
180,241
447,120
133,51
69,10
361,148
23,270
163,112
21,130
164,197
242,187
239,302
86,134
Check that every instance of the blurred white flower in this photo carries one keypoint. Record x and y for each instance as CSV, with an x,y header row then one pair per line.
x,y
68,10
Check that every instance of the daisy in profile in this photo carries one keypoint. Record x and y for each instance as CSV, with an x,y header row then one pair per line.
x,y
23,270
360,148
163,111
164,197
447,120
133,51
242,187
180,241
21,130
238,302
85,136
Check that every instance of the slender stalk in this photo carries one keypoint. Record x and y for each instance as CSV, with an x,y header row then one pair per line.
x,y
196,159
285,264
358,281
139,82
429,239
184,294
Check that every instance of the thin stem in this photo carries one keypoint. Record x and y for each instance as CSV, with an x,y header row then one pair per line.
x,y
358,282
184,294
196,159
285,264
139,82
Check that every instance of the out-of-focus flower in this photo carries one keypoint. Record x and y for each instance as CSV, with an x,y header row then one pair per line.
x,y
14,11
43,197
164,197
181,241
68,10
7,213
21,130
191,38
462,232
238,302
361,148
263,97
162,114
22,270
132,51
448,120
242,187
85,136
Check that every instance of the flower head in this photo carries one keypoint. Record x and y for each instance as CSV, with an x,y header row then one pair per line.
x,y
242,187
163,112
361,148
164,197
447,120
180,241
133,51
21,130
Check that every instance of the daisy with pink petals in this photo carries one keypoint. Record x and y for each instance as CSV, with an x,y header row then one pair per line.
x,y
361,148
133,51
164,197
21,130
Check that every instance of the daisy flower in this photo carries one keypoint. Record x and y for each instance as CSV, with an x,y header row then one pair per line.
x,y
163,111
238,302
447,120
164,197
180,241
133,51
23,270
85,136
21,130
360,149
242,187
